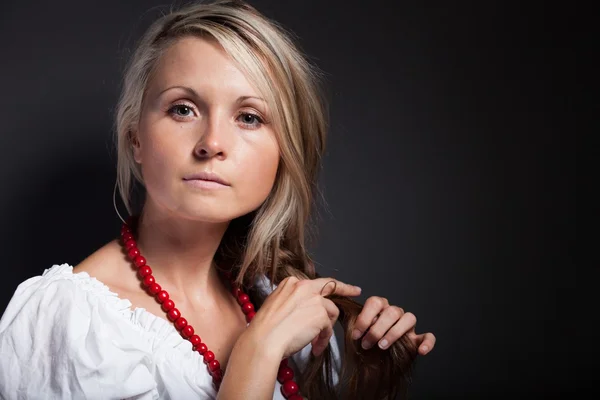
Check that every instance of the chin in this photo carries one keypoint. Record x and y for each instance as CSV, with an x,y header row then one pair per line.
x,y
212,213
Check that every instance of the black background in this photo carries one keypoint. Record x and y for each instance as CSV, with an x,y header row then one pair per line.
x,y
449,176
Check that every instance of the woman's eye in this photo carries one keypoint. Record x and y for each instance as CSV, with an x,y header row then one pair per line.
x,y
181,110
250,120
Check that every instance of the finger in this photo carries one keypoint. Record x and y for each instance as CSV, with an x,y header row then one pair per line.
x,y
373,306
287,285
332,310
322,340
388,318
405,324
427,341
329,286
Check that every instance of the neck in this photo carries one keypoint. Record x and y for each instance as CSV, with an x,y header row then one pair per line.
x,y
181,251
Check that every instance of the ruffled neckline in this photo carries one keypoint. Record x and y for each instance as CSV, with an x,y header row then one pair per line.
x,y
85,281
163,332
160,336
138,316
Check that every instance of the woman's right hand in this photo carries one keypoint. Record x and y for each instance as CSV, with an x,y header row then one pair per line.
x,y
297,313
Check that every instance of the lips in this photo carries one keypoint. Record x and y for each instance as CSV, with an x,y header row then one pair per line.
x,y
206,176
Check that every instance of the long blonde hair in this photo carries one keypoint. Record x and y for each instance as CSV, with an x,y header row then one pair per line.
x,y
270,240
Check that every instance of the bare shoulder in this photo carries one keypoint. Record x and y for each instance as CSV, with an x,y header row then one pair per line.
x,y
107,265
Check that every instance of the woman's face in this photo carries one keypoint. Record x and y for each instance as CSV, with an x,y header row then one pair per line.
x,y
201,115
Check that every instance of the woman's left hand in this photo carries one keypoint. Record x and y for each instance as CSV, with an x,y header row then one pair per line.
x,y
384,324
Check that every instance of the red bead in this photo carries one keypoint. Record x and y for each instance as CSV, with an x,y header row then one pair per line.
x,y
213,366
195,340
145,271
133,253
217,375
247,308
209,356
201,348
162,296
148,280
139,261
285,374
168,305
180,323
243,298
173,314
187,331
289,388
250,316
154,288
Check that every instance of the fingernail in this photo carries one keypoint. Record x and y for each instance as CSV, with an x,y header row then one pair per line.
x,y
424,349
383,344
366,345
359,289
356,334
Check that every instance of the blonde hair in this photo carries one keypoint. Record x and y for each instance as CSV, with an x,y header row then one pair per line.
x,y
271,239
284,78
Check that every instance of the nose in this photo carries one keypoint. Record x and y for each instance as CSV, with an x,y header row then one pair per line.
x,y
213,140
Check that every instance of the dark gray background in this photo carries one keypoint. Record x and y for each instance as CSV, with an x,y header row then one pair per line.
x,y
449,176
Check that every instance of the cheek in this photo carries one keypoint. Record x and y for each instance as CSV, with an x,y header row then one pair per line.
x,y
259,170
157,161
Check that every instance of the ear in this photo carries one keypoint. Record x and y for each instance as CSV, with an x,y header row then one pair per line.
x,y
135,146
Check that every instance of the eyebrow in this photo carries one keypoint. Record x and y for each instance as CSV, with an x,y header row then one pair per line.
x,y
193,93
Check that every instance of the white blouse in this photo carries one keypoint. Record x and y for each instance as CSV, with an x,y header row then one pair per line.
x,y
67,336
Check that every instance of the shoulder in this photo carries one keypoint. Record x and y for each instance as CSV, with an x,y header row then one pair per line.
x,y
60,290
57,305
36,297
106,264
58,340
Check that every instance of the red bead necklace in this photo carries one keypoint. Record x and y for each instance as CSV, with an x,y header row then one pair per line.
x,y
285,375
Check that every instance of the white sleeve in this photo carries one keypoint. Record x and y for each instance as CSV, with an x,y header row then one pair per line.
x,y
55,344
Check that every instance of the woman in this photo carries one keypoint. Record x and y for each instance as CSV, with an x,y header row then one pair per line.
x,y
221,121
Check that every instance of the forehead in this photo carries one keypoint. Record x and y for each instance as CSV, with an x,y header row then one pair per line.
x,y
201,64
